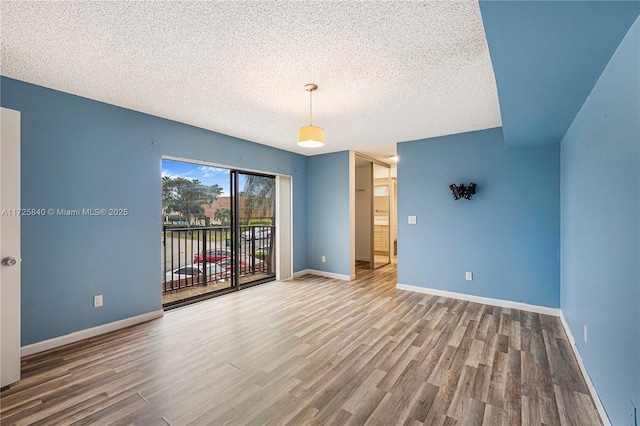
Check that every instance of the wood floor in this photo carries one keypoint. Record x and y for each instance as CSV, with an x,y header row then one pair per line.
x,y
313,351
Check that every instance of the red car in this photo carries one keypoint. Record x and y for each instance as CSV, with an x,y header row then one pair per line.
x,y
245,264
213,256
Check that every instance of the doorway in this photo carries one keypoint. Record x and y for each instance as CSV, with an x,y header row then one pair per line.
x,y
382,253
363,216
219,231
373,213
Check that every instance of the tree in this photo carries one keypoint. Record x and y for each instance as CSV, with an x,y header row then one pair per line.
x,y
223,216
260,196
187,196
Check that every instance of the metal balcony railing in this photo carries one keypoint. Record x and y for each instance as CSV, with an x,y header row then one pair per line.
x,y
201,256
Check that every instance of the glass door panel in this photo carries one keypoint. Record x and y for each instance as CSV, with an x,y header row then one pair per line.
x,y
256,195
196,237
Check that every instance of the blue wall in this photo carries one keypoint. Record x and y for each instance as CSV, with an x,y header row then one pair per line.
x,y
507,235
601,233
328,212
78,153
546,56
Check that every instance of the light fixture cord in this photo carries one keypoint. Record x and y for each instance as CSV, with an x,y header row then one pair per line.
x,y
310,107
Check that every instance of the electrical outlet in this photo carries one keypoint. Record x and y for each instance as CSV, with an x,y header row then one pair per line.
x,y
324,259
97,301
468,276
412,220
586,334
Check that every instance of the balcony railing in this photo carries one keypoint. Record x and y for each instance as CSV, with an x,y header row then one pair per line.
x,y
203,256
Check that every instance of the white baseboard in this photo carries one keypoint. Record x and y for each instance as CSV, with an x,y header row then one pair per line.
x,y
330,275
484,300
301,273
585,374
322,274
76,336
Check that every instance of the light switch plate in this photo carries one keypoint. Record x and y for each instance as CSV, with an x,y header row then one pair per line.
x,y
413,220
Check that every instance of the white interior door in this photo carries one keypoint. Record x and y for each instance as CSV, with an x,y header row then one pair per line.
x,y
10,247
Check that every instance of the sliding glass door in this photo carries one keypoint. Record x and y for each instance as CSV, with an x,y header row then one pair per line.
x,y
218,231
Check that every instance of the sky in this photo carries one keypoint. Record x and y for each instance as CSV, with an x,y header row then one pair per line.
x,y
206,174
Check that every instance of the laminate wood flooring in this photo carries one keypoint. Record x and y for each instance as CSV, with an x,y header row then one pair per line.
x,y
313,351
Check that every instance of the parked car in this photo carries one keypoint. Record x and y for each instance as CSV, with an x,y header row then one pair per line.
x,y
260,233
262,252
213,255
214,272
245,264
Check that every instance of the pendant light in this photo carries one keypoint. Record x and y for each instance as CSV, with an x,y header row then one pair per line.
x,y
310,136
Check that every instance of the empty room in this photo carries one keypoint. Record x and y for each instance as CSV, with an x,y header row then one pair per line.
x,y
318,212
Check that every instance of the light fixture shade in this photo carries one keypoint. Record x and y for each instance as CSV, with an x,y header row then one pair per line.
x,y
310,136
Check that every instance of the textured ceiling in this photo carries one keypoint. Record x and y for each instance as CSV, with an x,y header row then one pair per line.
x,y
387,71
